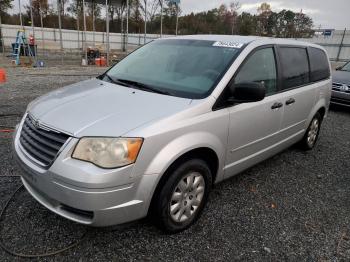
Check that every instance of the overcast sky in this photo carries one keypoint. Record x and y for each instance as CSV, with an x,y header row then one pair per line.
x,y
332,14
327,13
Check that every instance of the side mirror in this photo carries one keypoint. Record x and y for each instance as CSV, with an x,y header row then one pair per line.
x,y
338,68
247,92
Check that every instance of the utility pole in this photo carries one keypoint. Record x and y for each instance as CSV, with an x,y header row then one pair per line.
x,y
78,26
161,18
341,45
42,26
122,33
127,26
1,36
84,38
233,24
60,22
107,33
60,27
31,17
20,13
177,17
93,22
145,33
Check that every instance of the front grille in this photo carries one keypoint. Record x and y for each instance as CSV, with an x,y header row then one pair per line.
x,y
41,144
340,87
340,101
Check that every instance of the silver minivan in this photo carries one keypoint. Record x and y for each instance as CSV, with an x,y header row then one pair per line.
x,y
153,134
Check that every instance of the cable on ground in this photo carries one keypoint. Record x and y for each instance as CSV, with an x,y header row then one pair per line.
x,y
47,254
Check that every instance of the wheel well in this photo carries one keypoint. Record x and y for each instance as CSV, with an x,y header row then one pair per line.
x,y
322,111
206,154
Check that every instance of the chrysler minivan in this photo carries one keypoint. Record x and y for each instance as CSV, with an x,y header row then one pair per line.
x,y
154,133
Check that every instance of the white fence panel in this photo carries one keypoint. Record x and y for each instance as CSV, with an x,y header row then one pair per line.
x,y
72,39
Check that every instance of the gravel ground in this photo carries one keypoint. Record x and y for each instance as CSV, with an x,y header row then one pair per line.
x,y
293,207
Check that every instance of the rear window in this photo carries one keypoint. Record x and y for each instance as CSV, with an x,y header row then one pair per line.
x,y
295,66
319,64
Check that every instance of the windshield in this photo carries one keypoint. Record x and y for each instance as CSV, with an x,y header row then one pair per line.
x,y
346,67
183,68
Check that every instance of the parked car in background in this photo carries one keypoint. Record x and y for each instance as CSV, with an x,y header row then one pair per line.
x,y
153,134
341,85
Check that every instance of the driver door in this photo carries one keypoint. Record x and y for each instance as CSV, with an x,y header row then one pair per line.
x,y
254,127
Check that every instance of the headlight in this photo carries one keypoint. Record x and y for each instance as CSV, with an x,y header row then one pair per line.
x,y
108,152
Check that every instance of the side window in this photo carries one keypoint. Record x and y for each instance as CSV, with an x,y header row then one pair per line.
x,y
319,64
295,66
260,67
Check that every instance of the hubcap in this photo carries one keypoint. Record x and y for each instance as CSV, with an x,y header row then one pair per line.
x,y
187,196
313,131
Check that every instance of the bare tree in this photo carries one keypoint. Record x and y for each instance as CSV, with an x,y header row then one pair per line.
x,y
233,10
264,12
154,6
174,10
39,8
119,10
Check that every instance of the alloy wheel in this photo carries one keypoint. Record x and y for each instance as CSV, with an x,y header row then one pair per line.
x,y
313,131
187,197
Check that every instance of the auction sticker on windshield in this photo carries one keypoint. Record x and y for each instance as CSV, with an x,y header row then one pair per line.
x,y
228,44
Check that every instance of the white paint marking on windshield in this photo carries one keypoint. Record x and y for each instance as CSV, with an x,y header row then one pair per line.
x,y
228,44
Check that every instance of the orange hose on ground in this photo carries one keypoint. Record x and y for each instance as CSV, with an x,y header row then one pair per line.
x,y
2,75
6,130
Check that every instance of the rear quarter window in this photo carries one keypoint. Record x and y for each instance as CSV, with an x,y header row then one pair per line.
x,y
319,64
295,66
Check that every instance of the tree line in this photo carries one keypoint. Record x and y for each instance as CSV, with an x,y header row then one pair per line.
x,y
224,19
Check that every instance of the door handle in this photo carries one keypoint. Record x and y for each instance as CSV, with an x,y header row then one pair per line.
x,y
290,101
276,105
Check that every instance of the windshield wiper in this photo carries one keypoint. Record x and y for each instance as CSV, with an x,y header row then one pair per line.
x,y
115,81
142,86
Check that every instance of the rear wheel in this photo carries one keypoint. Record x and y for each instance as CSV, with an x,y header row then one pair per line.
x,y
183,196
310,138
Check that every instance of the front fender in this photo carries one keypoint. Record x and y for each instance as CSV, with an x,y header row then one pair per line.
x,y
183,144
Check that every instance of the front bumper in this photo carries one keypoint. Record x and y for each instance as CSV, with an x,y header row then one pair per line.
x,y
84,193
340,98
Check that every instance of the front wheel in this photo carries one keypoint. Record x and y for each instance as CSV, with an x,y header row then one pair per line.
x,y
310,138
183,196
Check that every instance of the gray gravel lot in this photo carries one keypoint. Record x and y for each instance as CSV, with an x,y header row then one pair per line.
x,y
293,207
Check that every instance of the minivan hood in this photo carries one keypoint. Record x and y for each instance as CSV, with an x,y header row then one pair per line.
x,y
342,77
97,108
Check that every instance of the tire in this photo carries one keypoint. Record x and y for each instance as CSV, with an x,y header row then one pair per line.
x,y
177,204
311,135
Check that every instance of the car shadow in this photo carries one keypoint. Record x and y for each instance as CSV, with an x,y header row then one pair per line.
x,y
339,108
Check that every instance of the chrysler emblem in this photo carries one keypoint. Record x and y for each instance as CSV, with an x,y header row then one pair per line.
x,y
35,123
344,88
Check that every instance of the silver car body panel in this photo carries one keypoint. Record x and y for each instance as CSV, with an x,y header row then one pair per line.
x,y
240,136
